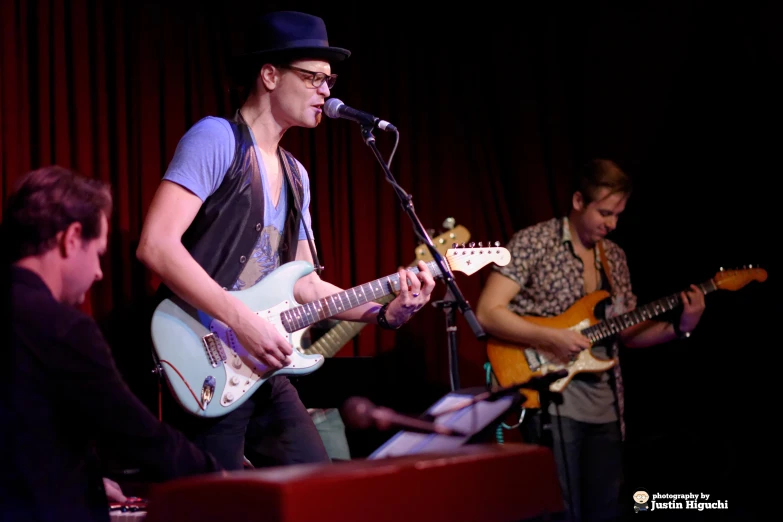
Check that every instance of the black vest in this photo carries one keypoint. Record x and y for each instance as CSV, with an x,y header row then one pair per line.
x,y
223,234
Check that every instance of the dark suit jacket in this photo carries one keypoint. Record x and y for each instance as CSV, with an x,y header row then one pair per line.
x,y
61,397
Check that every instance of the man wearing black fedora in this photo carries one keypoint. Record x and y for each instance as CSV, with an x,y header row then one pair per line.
x,y
232,207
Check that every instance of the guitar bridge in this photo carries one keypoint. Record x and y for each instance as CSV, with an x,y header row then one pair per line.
x,y
214,349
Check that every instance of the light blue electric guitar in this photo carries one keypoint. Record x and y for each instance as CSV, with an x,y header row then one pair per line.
x,y
203,360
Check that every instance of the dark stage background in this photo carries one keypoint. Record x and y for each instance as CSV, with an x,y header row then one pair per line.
x,y
496,106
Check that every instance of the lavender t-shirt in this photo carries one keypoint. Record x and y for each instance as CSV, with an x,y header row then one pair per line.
x,y
200,162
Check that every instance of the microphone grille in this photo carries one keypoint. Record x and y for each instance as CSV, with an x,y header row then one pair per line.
x,y
332,107
357,412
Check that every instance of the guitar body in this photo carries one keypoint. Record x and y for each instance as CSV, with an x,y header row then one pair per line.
x,y
511,362
209,372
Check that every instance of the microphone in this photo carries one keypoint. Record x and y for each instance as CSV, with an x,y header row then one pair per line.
x,y
335,108
359,412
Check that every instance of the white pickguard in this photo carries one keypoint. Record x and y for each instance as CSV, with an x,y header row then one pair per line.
x,y
584,362
242,369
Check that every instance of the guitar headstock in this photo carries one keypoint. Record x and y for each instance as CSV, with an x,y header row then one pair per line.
x,y
737,278
458,234
470,260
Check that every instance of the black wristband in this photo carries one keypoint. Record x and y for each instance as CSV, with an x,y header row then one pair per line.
x,y
382,322
679,333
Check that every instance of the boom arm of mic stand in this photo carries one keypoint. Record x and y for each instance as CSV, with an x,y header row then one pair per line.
x,y
407,205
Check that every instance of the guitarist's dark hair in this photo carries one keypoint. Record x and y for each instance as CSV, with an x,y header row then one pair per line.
x,y
45,202
601,173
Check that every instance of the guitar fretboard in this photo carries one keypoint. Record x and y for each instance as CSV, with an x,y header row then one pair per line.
x,y
332,341
310,313
614,325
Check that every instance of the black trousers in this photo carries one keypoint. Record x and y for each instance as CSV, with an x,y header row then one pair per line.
x,y
589,459
271,428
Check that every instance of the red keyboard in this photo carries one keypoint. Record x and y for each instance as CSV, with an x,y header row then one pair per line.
x,y
492,482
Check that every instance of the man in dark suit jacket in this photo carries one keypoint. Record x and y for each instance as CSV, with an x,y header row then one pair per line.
x,y
62,396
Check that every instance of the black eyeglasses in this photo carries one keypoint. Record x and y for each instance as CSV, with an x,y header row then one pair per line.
x,y
316,79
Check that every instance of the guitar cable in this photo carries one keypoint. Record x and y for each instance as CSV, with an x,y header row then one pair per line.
x,y
569,486
503,425
186,383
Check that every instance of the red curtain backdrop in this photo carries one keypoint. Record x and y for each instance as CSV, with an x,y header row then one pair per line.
x,y
496,106
109,88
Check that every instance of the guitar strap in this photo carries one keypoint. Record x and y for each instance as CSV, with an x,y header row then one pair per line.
x,y
289,165
605,265
617,378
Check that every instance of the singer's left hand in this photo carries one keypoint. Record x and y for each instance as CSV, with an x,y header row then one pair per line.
x,y
415,291
693,306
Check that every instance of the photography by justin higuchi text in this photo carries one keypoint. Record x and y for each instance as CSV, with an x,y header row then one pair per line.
x,y
646,501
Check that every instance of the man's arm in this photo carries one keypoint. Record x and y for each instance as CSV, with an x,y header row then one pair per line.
x,y
415,291
160,248
650,332
493,313
98,399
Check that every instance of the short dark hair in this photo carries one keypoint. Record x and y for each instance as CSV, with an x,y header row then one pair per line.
x,y
45,202
243,76
243,73
601,173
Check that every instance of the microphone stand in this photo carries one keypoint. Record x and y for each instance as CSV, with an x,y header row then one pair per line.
x,y
447,304
454,295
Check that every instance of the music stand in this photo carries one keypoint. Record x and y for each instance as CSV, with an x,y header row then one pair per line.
x,y
474,420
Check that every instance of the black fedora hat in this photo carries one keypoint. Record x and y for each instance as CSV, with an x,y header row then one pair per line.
x,y
292,34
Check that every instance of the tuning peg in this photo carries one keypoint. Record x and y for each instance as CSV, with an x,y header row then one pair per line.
x,y
463,245
454,245
479,245
472,244
497,243
449,223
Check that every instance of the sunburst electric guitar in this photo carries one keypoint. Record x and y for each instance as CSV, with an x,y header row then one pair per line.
x,y
515,364
203,360
341,333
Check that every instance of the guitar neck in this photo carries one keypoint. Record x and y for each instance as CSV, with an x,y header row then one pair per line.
x,y
332,341
614,325
307,314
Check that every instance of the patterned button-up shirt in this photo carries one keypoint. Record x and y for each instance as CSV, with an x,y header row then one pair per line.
x,y
551,278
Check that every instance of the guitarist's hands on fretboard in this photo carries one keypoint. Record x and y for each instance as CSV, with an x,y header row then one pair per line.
x,y
333,341
693,305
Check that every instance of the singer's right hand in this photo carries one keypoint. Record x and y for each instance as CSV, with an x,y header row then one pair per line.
x,y
262,340
565,344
